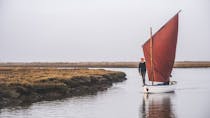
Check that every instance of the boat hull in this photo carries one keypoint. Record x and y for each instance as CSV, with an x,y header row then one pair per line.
x,y
160,88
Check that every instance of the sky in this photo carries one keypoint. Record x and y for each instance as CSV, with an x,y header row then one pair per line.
x,y
98,30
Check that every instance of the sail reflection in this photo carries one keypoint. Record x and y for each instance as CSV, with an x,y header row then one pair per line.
x,y
157,106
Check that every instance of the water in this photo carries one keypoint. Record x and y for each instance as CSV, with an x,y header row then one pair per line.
x,y
126,100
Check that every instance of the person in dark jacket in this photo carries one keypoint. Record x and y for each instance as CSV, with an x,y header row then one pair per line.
x,y
142,69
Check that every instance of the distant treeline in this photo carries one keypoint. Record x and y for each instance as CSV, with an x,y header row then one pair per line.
x,y
178,64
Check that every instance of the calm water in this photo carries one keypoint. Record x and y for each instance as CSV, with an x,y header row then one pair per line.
x,y
126,100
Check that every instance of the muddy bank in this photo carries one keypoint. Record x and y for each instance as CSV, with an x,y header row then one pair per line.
x,y
24,86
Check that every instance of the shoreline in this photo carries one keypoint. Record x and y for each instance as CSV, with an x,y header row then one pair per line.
x,y
177,64
25,86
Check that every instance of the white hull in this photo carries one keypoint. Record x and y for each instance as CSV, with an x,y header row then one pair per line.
x,y
160,88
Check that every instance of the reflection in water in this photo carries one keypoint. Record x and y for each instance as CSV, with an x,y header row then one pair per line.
x,y
157,106
125,100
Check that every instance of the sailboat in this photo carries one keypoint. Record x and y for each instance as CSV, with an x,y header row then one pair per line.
x,y
159,52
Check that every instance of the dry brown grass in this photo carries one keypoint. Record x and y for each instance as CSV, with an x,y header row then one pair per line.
x,y
19,85
179,64
29,76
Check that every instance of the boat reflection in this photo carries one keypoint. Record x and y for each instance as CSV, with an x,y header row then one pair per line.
x,y
157,106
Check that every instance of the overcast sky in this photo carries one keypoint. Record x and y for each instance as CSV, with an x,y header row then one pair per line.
x,y
98,30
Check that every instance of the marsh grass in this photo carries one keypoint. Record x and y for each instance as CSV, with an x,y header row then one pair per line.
x,y
46,76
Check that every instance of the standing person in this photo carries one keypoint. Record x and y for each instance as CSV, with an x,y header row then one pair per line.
x,y
142,69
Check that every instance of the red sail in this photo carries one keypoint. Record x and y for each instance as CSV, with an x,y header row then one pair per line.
x,y
163,51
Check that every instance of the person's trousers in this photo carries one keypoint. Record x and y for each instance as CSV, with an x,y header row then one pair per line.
x,y
143,73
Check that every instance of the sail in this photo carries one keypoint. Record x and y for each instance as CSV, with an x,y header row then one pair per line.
x,y
162,50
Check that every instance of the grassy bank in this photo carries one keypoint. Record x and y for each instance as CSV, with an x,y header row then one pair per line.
x,y
27,85
178,64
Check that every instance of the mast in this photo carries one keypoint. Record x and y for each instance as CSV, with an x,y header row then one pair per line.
x,y
151,57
